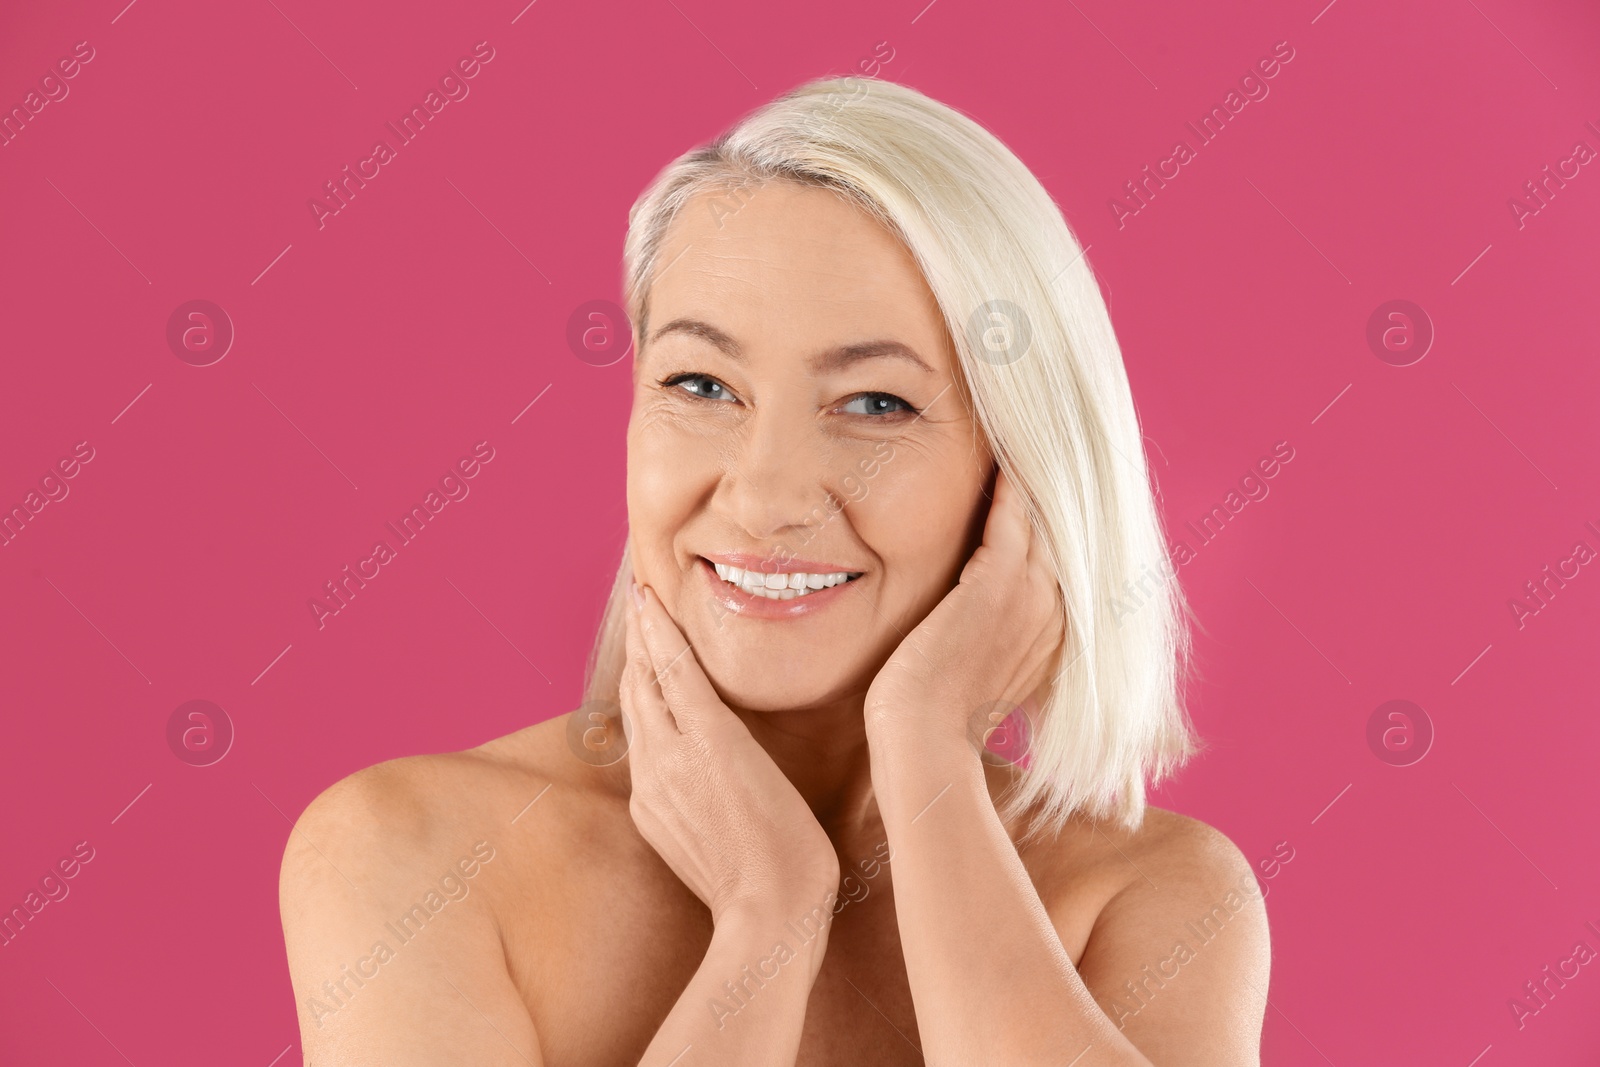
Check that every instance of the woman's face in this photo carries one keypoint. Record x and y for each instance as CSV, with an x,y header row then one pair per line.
x,y
795,410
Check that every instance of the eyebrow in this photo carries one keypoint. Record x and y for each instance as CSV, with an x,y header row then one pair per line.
x,y
833,359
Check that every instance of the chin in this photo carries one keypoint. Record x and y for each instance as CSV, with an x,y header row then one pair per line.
x,y
794,687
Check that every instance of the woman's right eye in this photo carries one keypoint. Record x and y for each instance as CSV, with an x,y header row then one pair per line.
x,y
701,386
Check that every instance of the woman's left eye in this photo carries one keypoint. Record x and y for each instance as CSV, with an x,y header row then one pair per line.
x,y
875,404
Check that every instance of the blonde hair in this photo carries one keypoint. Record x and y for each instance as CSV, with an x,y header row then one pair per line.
x,y
1002,263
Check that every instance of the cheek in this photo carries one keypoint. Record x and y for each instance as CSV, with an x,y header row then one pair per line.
x,y
651,521
917,523
667,474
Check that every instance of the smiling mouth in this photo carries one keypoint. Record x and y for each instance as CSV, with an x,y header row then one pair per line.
x,y
790,586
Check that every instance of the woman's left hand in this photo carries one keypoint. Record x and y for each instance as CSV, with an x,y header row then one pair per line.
x,y
989,644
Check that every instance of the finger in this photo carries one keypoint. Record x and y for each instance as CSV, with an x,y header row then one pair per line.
x,y
1043,594
628,700
651,716
682,682
1007,529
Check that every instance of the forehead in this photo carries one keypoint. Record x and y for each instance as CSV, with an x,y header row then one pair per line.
x,y
781,266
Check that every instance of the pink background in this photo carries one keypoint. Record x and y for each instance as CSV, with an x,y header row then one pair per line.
x,y
374,352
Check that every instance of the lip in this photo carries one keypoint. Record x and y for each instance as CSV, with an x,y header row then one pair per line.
x,y
745,561
738,602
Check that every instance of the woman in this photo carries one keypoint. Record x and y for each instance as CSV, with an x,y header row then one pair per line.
x,y
886,491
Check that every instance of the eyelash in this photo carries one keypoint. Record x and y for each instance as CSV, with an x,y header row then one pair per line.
x,y
674,380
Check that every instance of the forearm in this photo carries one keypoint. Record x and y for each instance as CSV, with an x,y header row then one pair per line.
x,y
746,1004
989,976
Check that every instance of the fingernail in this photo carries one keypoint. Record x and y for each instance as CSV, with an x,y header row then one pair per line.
x,y
638,594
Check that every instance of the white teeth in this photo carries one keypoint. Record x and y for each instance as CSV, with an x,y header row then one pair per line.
x,y
784,586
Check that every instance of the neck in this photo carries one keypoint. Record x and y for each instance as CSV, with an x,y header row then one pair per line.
x,y
823,752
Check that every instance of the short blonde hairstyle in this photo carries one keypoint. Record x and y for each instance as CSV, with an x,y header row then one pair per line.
x,y
1002,263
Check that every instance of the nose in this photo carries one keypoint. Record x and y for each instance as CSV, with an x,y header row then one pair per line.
x,y
776,484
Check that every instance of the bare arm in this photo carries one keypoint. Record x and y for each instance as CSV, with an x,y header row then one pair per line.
x,y
732,827
990,978
392,956
385,972
747,1002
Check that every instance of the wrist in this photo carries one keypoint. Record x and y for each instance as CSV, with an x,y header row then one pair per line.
x,y
901,743
787,928
912,776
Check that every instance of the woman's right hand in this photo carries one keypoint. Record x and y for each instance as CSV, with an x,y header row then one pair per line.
x,y
706,796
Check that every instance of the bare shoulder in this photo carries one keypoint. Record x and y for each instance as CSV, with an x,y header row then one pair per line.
x,y
388,892
1179,956
388,817
383,810
1183,848
384,819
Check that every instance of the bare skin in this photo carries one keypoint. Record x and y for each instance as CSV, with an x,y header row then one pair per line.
x,y
654,910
